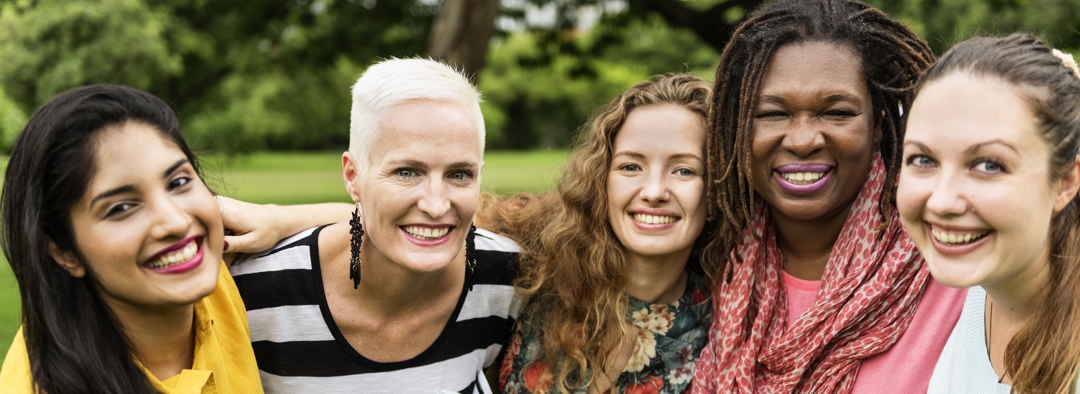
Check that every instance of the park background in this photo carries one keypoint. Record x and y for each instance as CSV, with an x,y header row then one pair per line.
x,y
262,86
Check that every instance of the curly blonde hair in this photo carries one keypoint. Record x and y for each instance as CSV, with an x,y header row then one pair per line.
x,y
573,268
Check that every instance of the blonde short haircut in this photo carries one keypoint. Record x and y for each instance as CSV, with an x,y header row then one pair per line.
x,y
396,81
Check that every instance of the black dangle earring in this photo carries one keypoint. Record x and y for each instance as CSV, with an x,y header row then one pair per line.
x,y
470,257
357,231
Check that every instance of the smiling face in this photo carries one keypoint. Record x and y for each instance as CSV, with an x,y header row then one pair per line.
x,y
655,185
975,191
422,185
147,228
814,131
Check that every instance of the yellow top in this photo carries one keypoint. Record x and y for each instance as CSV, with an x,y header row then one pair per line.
x,y
224,362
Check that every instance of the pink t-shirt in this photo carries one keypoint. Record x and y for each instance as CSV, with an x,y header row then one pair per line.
x,y
907,366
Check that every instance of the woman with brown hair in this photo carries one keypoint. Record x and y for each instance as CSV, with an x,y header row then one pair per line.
x,y
616,288
823,291
989,195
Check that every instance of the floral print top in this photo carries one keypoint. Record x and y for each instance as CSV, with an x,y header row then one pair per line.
x,y
669,341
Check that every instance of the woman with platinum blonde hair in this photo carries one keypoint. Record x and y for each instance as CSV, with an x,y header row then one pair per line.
x,y
407,296
988,192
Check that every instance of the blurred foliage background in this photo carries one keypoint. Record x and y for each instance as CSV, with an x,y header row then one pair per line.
x,y
275,74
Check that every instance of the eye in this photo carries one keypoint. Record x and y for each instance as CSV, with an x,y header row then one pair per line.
x,y
631,167
685,172
919,161
118,209
989,166
839,114
772,115
178,182
405,173
460,175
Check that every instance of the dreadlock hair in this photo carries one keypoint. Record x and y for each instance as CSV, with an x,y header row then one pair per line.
x,y
1044,356
573,267
892,57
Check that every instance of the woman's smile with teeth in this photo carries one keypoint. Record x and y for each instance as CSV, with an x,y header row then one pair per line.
x,y
653,219
954,239
802,177
177,257
426,232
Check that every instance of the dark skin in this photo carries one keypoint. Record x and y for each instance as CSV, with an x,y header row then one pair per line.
x,y
814,108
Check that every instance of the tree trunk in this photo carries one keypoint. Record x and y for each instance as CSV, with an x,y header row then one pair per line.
x,y
461,33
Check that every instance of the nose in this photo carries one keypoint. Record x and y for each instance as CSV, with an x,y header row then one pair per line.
x,y
805,138
655,190
946,197
171,220
435,202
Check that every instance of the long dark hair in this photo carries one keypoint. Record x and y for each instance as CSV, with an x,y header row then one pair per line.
x,y
73,340
892,57
1044,356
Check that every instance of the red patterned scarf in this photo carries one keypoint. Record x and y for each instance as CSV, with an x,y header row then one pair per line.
x,y
871,287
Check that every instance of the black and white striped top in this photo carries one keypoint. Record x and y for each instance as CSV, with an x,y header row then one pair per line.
x,y
300,349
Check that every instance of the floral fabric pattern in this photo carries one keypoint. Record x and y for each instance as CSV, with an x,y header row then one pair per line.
x,y
667,345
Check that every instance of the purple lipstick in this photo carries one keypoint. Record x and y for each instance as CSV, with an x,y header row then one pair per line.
x,y
803,178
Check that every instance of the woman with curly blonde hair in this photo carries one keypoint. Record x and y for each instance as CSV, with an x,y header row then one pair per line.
x,y
616,289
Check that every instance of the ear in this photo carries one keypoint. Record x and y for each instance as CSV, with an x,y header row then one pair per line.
x,y
67,260
351,174
1068,186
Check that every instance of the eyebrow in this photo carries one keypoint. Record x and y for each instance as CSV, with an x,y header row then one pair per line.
x,y
420,164
640,156
130,188
920,145
976,147
970,150
832,98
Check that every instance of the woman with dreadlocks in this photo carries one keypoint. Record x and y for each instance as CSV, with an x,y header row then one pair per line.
x,y
823,290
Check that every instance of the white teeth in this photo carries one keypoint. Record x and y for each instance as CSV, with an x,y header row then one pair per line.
x,y
947,238
427,232
176,257
802,177
653,219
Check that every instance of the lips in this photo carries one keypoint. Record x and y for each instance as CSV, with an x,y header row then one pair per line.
x,y
653,219
956,242
426,233
803,178
180,257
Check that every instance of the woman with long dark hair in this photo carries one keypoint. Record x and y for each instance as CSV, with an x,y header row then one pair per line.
x,y
988,193
116,246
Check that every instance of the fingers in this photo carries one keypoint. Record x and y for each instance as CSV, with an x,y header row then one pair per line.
x,y
251,242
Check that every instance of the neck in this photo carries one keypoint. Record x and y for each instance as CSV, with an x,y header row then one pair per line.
x,y
806,244
658,280
386,288
1010,303
162,338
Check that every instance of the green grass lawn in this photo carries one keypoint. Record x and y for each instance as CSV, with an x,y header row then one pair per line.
x,y
298,178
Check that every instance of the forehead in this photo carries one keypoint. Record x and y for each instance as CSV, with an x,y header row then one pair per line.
x,y
424,129
129,154
966,109
814,67
663,128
